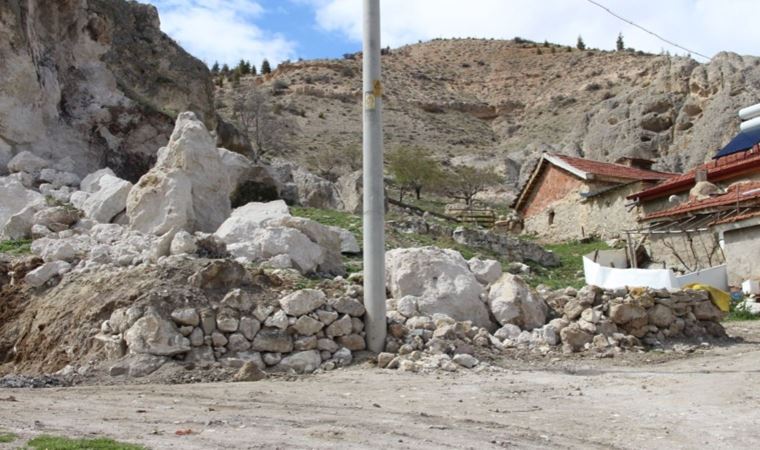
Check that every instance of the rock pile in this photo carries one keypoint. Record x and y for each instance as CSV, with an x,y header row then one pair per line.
x,y
428,329
303,331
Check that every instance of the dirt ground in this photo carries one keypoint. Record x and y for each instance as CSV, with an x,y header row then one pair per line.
x,y
707,400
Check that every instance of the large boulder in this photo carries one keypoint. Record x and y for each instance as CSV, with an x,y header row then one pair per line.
x,y
246,219
109,200
267,243
441,280
29,163
350,190
192,153
161,202
15,198
512,302
91,183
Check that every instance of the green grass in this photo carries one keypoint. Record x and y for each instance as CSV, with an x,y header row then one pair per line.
x,y
20,247
7,437
570,255
739,312
61,443
350,222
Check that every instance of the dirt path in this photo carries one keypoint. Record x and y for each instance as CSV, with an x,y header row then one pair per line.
x,y
706,401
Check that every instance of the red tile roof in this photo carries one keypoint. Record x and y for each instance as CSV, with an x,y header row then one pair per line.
x,y
609,170
737,218
735,194
726,168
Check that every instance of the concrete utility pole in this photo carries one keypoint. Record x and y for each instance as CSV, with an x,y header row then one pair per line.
x,y
374,206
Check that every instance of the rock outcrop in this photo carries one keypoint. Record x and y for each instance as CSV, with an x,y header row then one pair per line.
x,y
95,81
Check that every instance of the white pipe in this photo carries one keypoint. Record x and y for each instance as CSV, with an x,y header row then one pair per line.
x,y
750,112
374,204
750,125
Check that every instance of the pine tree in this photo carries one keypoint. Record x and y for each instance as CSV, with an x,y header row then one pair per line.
x,y
265,68
215,69
225,70
620,43
253,68
581,45
243,68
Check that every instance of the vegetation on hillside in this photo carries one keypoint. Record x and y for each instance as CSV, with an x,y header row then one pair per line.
x,y
16,247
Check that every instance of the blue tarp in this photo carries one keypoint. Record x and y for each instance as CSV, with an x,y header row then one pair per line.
x,y
743,141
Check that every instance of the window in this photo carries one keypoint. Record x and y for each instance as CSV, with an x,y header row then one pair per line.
x,y
551,217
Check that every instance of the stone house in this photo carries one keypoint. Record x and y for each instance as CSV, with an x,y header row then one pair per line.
x,y
569,198
707,216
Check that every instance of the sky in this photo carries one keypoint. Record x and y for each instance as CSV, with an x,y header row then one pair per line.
x,y
228,30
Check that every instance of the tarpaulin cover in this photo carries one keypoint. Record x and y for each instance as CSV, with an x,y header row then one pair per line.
x,y
743,141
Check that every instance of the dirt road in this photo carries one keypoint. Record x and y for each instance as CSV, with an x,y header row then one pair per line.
x,y
708,401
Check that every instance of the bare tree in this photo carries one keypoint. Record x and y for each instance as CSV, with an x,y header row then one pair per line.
x,y
254,115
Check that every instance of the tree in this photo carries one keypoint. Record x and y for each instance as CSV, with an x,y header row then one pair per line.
x,y
253,68
265,68
254,116
215,69
464,182
413,169
620,43
243,67
225,70
581,45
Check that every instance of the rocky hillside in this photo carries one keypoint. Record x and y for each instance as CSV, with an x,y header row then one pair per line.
x,y
501,103
94,81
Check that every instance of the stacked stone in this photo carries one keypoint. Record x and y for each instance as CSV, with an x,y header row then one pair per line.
x,y
610,320
302,332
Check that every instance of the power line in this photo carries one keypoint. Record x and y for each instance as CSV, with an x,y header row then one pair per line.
x,y
647,31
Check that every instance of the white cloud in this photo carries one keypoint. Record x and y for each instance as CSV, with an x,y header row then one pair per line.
x,y
222,30
705,26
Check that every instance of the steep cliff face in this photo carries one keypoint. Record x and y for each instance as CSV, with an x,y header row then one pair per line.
x,y
500,103
94,81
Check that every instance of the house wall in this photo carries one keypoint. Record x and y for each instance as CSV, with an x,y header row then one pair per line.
x,y
604,215
742,248
696,250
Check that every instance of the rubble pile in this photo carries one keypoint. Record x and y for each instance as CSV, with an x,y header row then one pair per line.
x,y
495,312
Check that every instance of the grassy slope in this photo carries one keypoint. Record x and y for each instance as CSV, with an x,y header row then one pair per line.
x,y
22,247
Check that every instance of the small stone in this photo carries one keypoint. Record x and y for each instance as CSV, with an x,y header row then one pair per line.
x,y
508,331
196,337
340,327
407,306
249,372
325,355
353,342
301,362
421,322
302,302
262,312
278,320
465,360
239,300
327,317
218,339
271,359
228,324
238,343
308,326
249,327
186,316
273,340
185,331
347,305
383,359
305,343
357,325
342,357
406,366
327,345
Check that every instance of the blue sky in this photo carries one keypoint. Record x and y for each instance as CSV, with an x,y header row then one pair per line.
x,y
227,30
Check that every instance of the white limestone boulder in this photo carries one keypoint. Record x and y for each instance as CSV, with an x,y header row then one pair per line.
x,y
441,280
512,302
108,201
191,156
248,218
15,198
91,183
266,243
486,271
160,202
348,243
154,335
45,272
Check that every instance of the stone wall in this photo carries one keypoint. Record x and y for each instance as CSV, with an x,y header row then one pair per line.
x,y
572,217
742,248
